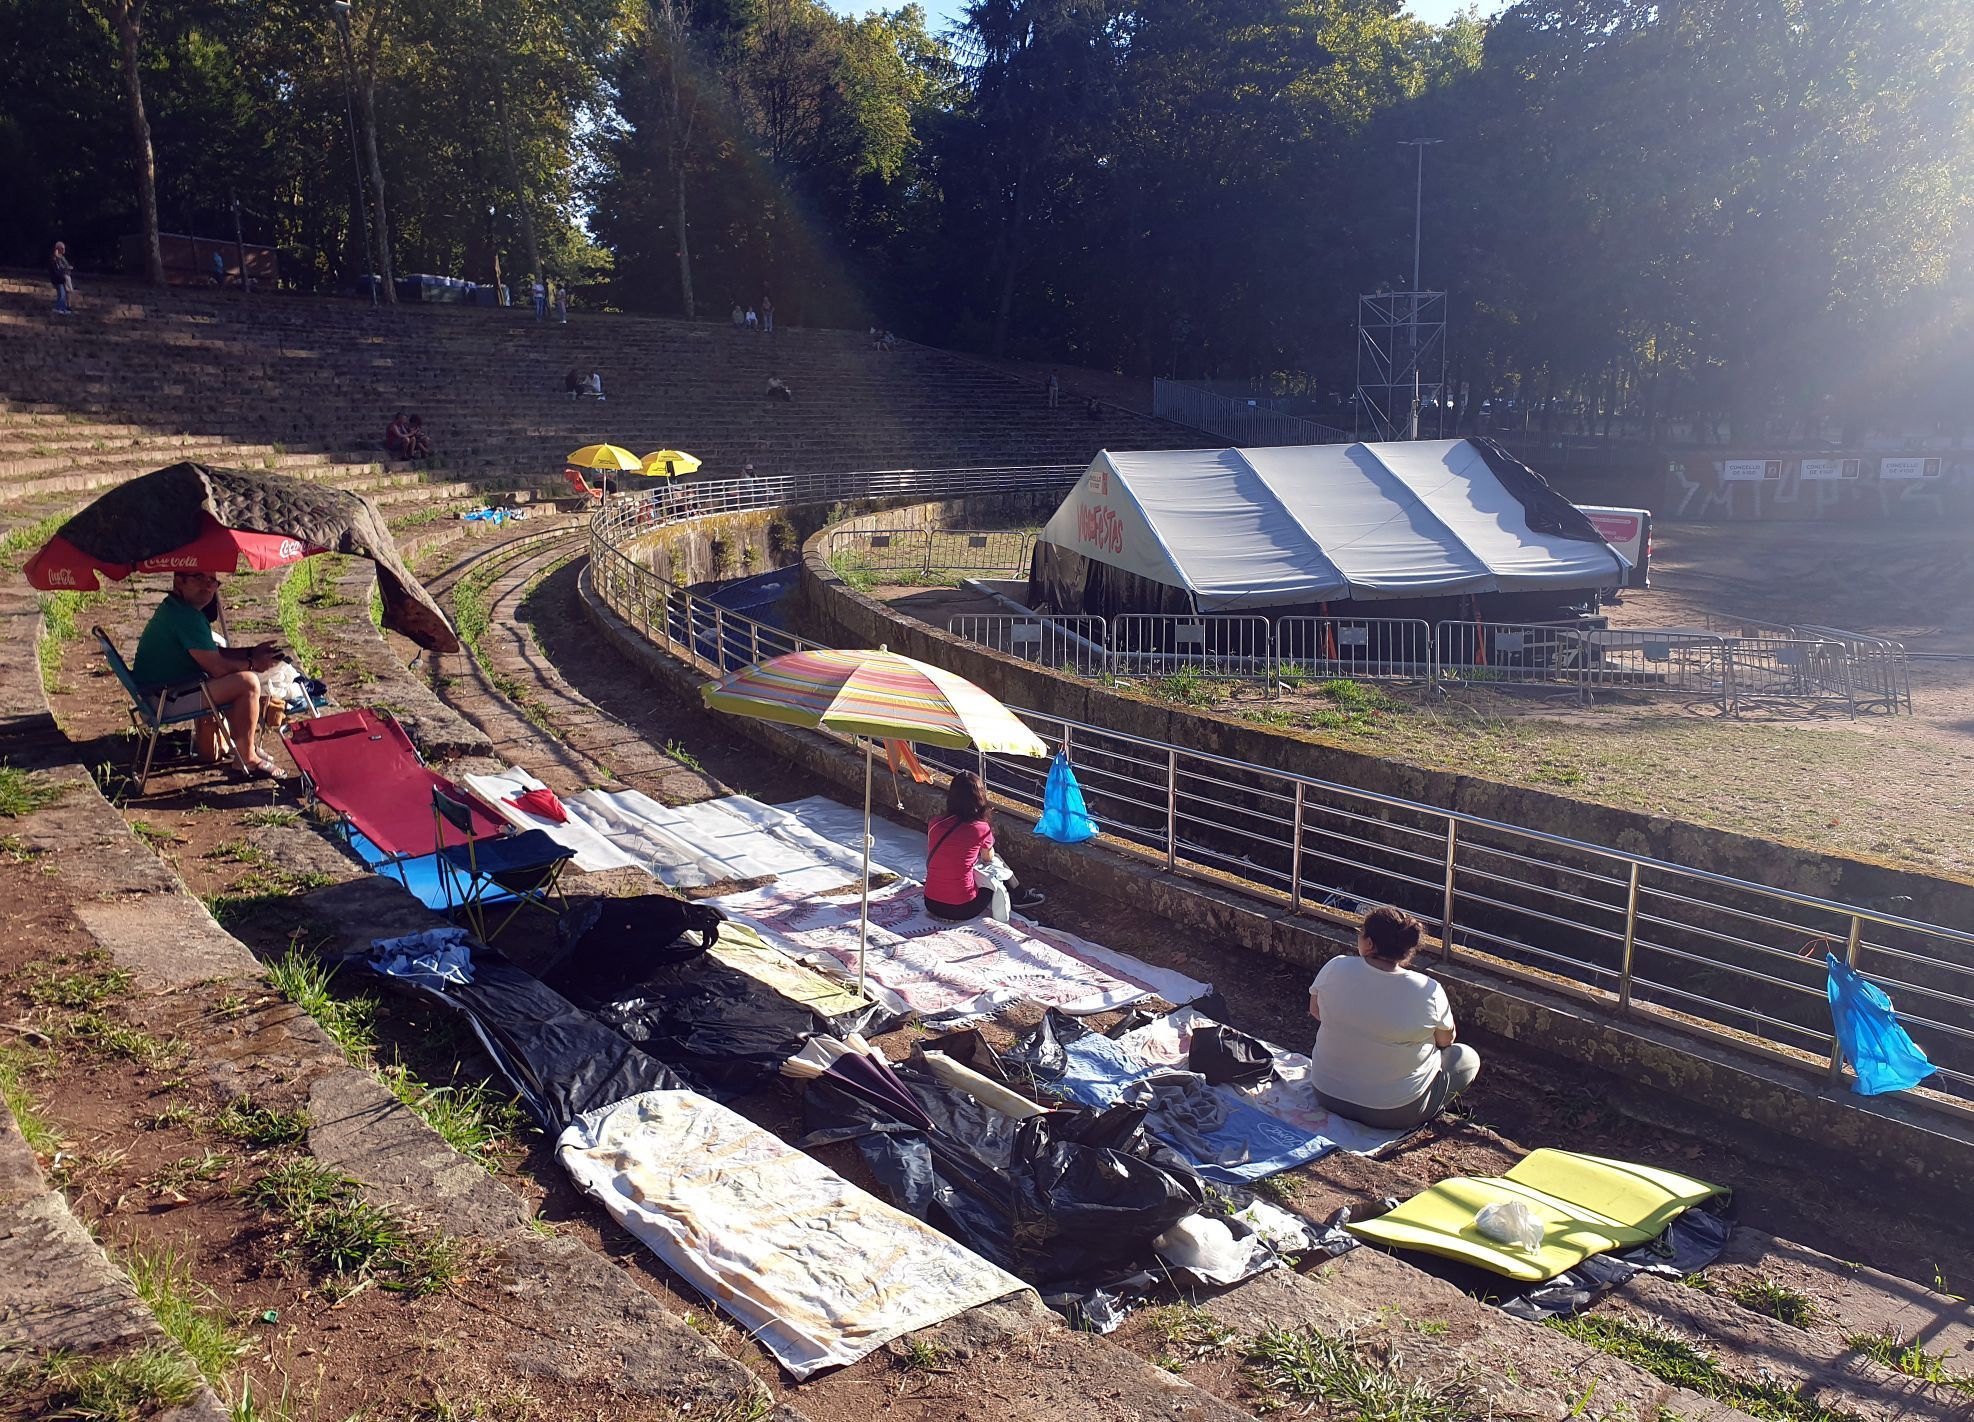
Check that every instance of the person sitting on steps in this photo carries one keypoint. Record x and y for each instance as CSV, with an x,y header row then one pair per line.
x,y
1385,1054
397,436
778,390
178,646
418,444
956,842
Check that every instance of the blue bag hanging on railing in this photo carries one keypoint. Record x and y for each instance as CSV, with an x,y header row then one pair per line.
x,y
1065,818
1878,1049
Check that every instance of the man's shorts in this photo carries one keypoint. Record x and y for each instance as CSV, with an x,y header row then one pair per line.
x,y
186,702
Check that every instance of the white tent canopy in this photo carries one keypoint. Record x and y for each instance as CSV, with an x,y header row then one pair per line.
x,y
1250,528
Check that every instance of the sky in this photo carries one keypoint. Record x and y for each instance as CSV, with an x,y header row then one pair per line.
x,y
942,14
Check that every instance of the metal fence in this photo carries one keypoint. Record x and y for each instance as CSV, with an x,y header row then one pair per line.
x,y
1632,934
1001,552
1879,669
1360,648
1248,423
1231,647
1079,645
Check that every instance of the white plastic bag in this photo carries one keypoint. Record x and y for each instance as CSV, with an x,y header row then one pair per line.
x,y
1200,1244
1510,1222
996,875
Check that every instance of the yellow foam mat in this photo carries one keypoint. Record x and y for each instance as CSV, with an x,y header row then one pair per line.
x,y
1586,1204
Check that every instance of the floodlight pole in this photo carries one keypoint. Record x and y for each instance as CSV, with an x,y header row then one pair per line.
x,y
1418,226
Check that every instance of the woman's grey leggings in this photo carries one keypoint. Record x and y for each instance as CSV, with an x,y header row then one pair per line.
x,y
1459,1064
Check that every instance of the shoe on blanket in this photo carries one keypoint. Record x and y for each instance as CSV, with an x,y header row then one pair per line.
x,y
1030,898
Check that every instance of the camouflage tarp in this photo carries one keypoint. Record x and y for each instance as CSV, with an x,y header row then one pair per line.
x,y
157,512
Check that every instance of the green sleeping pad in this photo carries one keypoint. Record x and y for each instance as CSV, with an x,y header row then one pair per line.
x,y
1587,1205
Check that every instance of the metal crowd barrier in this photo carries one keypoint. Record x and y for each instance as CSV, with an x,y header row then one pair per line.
x,y
1079,645
1633,934
936,550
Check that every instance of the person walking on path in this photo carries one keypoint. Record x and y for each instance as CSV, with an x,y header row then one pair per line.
x,y
767,317
1055,390
541,298
62,275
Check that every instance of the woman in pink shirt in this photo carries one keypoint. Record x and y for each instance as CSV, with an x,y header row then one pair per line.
x,y
955,843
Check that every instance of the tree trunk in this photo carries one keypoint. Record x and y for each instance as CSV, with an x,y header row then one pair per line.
x,y
129,26
685,246
521,196
367,96
1004,308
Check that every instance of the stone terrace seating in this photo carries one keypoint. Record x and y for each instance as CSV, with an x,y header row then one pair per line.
x,y
140,376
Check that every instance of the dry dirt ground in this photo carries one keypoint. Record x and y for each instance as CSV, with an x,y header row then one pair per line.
x,y
1894,788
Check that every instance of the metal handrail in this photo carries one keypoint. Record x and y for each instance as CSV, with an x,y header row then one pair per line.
x,y
1169,785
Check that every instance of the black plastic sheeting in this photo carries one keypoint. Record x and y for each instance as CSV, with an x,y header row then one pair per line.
x,y
1690,1244
1069,1201
724,1032
561,1060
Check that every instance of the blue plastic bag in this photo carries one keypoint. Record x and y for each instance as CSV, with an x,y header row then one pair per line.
x,y
1878,1049
1065,818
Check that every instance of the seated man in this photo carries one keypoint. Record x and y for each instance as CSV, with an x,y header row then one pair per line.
x,y
778,389
593,387
178,645
397,436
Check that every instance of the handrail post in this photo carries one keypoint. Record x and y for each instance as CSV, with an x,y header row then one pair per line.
x,y
1295,852
1850,960
719,639
1630,940
1446,900
1172,808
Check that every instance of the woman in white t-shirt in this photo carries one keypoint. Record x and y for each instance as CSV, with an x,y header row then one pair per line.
x,y
1384,1052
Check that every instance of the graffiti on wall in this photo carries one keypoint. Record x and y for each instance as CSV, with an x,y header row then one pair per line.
x,y
1892,487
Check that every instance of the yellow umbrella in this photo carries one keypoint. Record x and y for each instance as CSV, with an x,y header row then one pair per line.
x,y
666,463
604,456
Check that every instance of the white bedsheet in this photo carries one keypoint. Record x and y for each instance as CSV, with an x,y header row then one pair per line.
x,y
593,851
816,1269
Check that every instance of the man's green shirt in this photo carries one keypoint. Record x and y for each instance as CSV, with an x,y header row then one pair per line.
x,y
164,652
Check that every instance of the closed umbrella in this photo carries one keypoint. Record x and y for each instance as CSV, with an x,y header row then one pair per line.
x,y
880,696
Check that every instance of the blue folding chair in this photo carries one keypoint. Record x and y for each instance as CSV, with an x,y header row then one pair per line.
x,y
147,708
526,866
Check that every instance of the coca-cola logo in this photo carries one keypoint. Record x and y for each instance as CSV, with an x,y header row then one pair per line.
x,y
1100,527
291,550
61,577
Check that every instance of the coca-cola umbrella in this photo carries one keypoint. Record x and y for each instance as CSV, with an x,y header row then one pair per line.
x,y
195,518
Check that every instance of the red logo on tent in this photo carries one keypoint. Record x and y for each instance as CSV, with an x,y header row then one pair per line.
x,y
1100,528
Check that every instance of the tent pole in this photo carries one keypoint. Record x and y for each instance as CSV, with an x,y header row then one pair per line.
x,y
863,909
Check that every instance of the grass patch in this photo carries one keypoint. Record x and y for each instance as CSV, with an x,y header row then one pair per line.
x,y
470,615
102,1037
122,1389
15,1067
260,1127
351,1022
340,1234
300,591
1188,686
1188,1334
260,887
58,614
1777,1301
853,568
22,792
1890,1351
18,544
186,1309
275,817
1671,1359
152,835
1307,1365
920,1355
238,851
74,981
684,757
475,1119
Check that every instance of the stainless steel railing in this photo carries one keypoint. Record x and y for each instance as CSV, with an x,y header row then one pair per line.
x,y
1634,934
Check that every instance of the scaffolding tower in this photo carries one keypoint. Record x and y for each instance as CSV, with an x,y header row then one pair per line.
x,y
1401,363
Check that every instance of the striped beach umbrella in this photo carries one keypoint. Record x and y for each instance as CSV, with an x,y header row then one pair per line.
x,y
880,696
